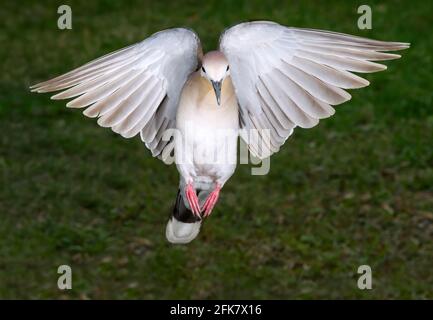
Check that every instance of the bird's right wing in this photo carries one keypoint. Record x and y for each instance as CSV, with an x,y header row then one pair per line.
x,y
135,89
287,77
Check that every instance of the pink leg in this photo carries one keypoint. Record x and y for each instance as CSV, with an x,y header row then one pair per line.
x,y
211,201
191,196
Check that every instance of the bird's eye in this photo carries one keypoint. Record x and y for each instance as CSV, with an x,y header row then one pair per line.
x,y
228,67
202,68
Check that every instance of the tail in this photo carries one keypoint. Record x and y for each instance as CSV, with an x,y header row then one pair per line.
x,y
183,226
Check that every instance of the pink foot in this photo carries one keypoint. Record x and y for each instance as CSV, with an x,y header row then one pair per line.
x,y
211,201
191,196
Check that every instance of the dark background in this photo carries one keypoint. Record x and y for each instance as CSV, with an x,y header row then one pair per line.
x,y
357,189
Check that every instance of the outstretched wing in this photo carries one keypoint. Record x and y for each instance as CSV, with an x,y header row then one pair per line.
x,y
288,77
135,89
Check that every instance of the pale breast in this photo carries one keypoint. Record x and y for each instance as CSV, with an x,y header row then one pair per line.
x,y
198,104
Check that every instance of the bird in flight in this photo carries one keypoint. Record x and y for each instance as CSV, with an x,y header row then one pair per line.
x,y
265,78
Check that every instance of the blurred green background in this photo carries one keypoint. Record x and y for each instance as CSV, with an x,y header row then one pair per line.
x,y
357,189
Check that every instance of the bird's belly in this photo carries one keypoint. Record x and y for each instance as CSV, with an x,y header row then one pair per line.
x,y
214,152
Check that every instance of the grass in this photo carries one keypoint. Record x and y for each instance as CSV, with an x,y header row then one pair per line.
x,y
357,189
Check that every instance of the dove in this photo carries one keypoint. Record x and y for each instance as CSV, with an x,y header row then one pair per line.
x,y
264,78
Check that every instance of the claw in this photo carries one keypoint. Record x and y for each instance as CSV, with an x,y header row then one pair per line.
x,y
192,198
211,201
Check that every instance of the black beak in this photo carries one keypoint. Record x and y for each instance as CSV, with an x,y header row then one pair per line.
x,y
217,88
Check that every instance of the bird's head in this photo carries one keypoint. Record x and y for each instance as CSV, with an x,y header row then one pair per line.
x,y
215,68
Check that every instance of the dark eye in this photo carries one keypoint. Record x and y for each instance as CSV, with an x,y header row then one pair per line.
x,y
228,67
202,68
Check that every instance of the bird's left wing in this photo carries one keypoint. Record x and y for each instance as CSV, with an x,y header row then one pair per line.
x,y
135,89
287,77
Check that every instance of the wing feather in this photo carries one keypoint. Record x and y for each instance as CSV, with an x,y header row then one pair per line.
x,y
151,90
287,77
155,101
135,89
326,92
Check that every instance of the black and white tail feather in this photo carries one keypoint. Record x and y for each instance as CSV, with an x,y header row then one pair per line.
x,y
183,226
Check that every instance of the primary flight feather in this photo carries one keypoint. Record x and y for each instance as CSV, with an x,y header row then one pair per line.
x,y
265,78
